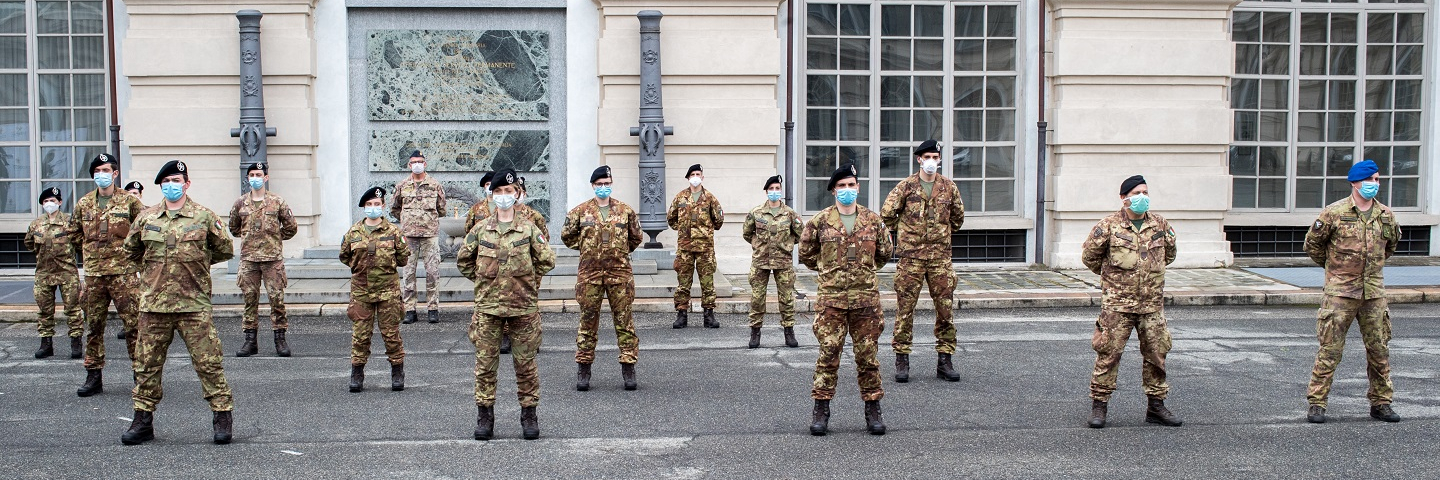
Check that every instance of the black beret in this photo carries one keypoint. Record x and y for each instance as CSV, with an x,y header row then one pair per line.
x,y
102,159
845,171
52,192
927,147
599,173
261,166
134,185
503,178
694,168
487,178
520,182
417,154
771,181
373,192
173,167
1130,184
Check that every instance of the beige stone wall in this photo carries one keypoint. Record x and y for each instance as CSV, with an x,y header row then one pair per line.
x,y
1140,87
182,61
722,64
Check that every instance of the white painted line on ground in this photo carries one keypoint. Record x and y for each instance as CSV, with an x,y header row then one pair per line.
x,y
126,419
292,452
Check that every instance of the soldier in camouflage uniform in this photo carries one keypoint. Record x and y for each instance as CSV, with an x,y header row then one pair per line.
x,y
373,250
1352,239
264,221
846,244
49,237
177,242
506,255
695,215
926,210
419,204
605,231
772,229
483,209
99,225
1129,251
138,190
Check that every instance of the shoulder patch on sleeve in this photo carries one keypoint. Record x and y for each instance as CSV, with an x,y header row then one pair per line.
x,y
1098,233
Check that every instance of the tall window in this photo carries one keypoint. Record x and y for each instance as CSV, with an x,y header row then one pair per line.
x,y
881,77
1318,88
53,99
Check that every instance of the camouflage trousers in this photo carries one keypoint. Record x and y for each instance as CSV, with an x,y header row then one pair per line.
x,y
864,326
45,299
95,300
1112,331
784,293
422,249
910,275
197,329
1332,324
366,315
686,264
621,295
524,333
249,279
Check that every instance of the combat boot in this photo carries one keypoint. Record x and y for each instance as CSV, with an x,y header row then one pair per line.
x,y
627,373
120,334
1157,413
710,321
902,367
249,347
504,343
1316,414
1384,412
754,337
282,347
820,419
529,423
681,319
93,384
76,349
397,377
434,316
409,317
582,377
485,423
790,337
223,422
1098,408
47,347
142,429
357,378
944,370
873,423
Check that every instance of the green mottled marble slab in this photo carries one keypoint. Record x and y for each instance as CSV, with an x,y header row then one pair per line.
x,y
458,74
461,150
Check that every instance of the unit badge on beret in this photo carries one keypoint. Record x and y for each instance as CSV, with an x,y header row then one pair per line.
x,y
54,190
180,166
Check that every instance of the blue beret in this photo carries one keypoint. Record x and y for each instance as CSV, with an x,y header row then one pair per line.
x,y
1363,170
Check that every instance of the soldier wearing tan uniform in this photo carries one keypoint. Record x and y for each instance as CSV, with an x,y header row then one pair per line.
x,y
846,244
772,230
605,231
100,224
1129,250
482,210
695,215
49,237
419,204
263,221
374,251
1352,239
506,256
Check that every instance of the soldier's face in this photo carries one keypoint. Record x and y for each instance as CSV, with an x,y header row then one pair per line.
x,y
847,183
1140,189
177,179
927,156
134,192
604,182
506,190
375,202
774,187
260,175
105,168
1373,178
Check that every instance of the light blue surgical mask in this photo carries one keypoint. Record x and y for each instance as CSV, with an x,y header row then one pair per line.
x,y
104,180
602,192
484,192
1140,204
847,196
774,196
505,202
1369,189
173,191
257,183
374,212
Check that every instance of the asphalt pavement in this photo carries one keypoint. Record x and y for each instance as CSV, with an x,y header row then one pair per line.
x,y
708,407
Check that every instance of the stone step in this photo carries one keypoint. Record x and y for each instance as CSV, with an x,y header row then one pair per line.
x,y
322,252
454,289
333,269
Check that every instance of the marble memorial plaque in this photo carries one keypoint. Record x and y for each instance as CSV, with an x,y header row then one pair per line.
x,y
461,150
458,74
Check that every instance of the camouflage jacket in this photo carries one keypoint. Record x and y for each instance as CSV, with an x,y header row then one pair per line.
x,y
506,266
101,232
482,210
176,249
419,206
49,238
374,258
695,222
846,262
1131,263
604,243
924,224
772,236
1352,248
264,227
